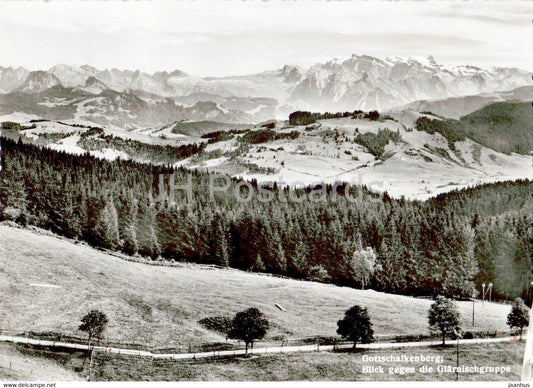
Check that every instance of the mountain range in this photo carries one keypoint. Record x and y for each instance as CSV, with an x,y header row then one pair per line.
x,y
359,82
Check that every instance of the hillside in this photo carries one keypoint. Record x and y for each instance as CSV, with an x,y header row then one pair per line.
x,y
17,366
161,305
337,149
504,127
457,107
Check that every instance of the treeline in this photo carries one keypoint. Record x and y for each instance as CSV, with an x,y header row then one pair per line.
x,y
15,126
375,143
503,126
451,129
216,136
446,245
265,135
306,118
140,150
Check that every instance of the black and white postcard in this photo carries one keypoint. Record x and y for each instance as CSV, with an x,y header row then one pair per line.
x,y
266,191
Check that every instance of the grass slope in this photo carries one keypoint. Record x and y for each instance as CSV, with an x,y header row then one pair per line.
x,y
16,365
504,127
318,366
161,305
321,366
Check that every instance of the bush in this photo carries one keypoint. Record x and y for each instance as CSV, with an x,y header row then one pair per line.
x,y
468,335
318,273
219,323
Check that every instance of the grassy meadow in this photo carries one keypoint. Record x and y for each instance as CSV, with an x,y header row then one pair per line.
x,y
160,306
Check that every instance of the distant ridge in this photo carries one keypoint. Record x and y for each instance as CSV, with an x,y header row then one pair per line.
x,y
360,81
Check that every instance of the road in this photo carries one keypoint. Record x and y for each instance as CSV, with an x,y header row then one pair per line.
x,y
240,352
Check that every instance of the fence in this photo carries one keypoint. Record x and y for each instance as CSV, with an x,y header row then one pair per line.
x,y
227,348
52,336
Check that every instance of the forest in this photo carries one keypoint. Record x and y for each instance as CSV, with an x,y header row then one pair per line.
x,y
503,126
449,244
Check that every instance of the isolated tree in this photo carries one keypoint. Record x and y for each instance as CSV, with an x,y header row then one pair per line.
x,y
248,325
519,315
363,264
356,326
443,318
93,323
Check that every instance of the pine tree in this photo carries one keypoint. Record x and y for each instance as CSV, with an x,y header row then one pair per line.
x,y
129,224
258,264
106,228
219,241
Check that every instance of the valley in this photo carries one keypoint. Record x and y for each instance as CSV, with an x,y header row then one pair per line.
x,y
326,151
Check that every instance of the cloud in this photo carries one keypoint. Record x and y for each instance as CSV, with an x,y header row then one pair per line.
x,y
214,38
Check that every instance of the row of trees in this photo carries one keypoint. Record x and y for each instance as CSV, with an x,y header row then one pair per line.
x,y
306,118
443,316
251,325
343,235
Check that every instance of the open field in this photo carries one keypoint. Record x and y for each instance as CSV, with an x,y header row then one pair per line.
x,y
345,366
160,306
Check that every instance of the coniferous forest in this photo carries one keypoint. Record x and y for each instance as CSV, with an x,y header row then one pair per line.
x,y
448,245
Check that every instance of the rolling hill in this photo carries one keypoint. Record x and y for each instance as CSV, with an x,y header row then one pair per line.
x,y
504,127
496,146
457,107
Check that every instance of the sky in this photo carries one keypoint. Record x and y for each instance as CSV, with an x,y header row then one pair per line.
x,y
231,37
